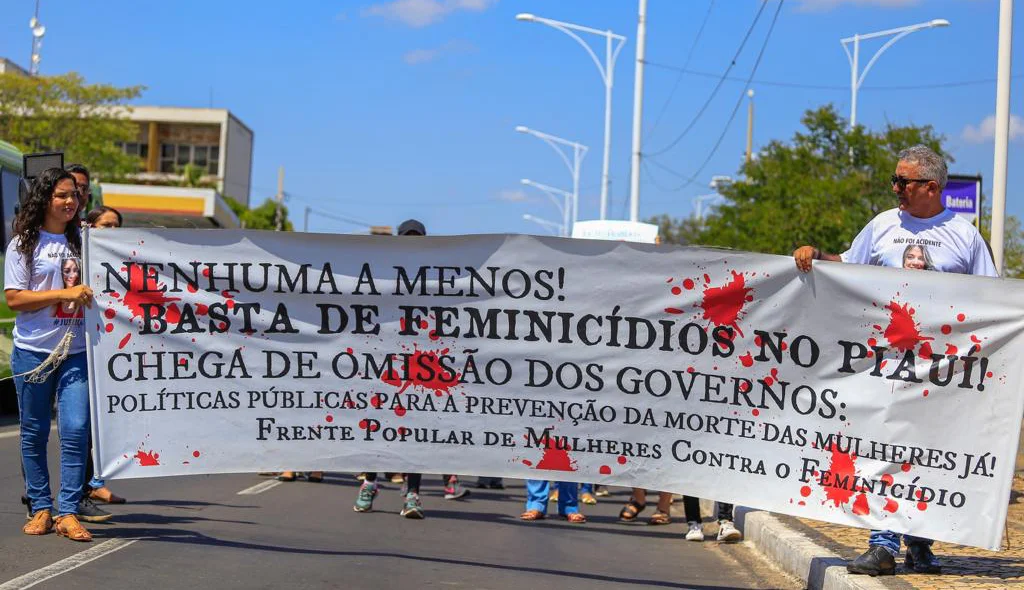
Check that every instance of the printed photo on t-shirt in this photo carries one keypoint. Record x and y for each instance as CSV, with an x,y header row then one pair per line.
x,y
916,257
71,274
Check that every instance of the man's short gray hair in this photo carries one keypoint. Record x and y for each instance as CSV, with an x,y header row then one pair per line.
x,y
933,166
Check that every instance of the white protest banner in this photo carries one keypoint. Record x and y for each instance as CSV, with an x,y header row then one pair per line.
x,y
859,395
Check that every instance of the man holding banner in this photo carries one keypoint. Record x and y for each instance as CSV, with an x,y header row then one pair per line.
x,y
919,234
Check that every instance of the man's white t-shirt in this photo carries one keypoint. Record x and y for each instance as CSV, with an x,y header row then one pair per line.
x,y
54,266
945,243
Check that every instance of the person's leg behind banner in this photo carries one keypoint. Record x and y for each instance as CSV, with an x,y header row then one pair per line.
x,y
695,528
367,492
412,508
587,493
880,558
569,502
536,499
727,531
453,490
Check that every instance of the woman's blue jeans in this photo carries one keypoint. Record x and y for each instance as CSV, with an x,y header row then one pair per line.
x,y
69,383
537,496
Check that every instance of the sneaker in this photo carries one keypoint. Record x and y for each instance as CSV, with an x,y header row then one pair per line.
x,y
364,501
28,507
876,561
602,491
454,490
412,508
695,532
728,533
90,512
497,484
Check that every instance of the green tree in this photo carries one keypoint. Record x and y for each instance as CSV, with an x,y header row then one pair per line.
x,y
683,232
64,113
262,217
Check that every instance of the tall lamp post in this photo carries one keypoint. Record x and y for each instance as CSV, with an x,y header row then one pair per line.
x,y
857,78
607,72
579,151
549,225
551,191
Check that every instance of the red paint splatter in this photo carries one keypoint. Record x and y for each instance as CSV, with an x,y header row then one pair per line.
x,y
195,454
989,374
605,470
887,478
527,462
925,394
905,467
950,349
621,459
922,506
376,401
676,290
674,310
723,305
926,350
872,341
137,296
147,459
688,284
110,313
842,467
202,309
802,503
769,381
399,411
555,459
805,491
747,360
891,506
744,386
348,350
192,288
329,418
362,424
433,335
421,364
206,271
423,325
975,339
902,332
124,340
109,328
755,412
946,328
860,505
960,317
689,369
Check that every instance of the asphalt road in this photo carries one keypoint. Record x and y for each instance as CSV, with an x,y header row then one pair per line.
x,y
199,532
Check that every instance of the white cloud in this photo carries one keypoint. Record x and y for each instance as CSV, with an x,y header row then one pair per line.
x,y
422,13
420,56
986,130
513,195
825,5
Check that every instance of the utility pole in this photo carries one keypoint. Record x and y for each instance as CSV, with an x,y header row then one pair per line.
x,y
638,112
305,222
279,214
1002,131
750,124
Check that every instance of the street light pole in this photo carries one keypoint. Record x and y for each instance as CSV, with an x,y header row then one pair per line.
x,y
551,191
1002,131
857,77
607,72
579,151
638,111
543,222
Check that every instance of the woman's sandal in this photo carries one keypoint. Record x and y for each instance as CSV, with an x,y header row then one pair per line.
x,y
576,518
105,495
286,476
315,476
659,517
40,524
532,515
631,510
68,526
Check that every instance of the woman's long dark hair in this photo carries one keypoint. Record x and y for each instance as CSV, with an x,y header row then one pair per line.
x,y
32,214
93,216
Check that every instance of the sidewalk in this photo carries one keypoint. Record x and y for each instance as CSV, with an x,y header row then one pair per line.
x,y
816,552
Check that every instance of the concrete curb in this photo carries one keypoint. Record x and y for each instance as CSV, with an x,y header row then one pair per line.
x,y
797,555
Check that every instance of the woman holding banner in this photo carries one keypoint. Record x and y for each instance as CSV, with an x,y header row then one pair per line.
x,y
48,358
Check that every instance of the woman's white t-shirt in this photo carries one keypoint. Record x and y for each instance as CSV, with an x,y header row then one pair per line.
x,y
54,266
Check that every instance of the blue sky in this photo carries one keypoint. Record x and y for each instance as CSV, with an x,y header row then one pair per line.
x,y
384,110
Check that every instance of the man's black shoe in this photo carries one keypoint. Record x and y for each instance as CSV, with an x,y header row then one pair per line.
x,y
876,561
921,559
90,512
28,508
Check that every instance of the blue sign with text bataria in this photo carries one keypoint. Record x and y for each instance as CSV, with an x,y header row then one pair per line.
x,y
962,195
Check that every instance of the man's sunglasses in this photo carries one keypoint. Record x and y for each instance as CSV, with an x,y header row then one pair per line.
x,y
902,182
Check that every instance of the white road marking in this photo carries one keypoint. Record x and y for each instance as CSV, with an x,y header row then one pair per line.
x,y
66,565
252,491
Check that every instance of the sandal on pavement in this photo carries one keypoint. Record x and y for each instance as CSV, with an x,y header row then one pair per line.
x,y
68,526
315,476
659,517
588,498
40,524
631,510
576,518
105,495
532,515
286,476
